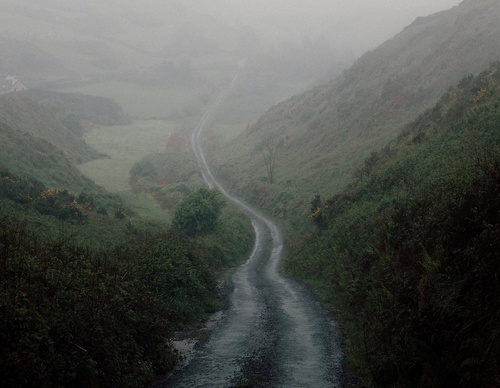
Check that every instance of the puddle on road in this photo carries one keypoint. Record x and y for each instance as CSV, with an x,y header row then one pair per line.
x,y
185,342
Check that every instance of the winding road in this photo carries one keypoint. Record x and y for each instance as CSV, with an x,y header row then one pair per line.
x,y
275,332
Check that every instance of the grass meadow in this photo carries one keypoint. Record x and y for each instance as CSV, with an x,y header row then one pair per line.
x,y
125,145
157,111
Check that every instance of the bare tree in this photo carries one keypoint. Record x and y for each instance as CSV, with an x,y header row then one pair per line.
x,y
269,149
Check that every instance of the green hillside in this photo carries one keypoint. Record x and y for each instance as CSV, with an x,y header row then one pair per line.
x,y
35,143
41,182
25,116
317,139
408,254
25,154
90,292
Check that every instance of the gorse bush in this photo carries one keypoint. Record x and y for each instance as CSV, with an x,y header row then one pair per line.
x,y
410,252
58,203
198,214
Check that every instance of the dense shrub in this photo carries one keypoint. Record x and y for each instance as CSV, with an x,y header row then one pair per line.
x,y
198,214
77,316
71,316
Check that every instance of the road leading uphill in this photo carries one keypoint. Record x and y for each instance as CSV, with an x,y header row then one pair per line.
x,y
274,333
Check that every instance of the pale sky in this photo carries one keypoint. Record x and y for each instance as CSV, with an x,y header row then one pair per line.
x,y
364,23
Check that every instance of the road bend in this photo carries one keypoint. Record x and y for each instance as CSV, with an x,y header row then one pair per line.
x,y
275,332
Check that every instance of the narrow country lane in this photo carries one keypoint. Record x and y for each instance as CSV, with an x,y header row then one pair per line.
x,y
274,333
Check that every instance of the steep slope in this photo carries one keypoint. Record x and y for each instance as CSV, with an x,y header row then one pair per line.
x,y
26,116
27,155
408,254
316,140
35,143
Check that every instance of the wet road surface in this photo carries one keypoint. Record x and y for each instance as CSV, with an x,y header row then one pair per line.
x,y
275,332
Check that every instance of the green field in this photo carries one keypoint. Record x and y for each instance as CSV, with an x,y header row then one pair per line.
x,y
125,145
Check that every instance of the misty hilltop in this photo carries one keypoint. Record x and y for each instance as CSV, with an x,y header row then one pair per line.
x,y
321,137
95,37
61,41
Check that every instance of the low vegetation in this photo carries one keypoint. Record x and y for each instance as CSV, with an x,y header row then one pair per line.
x,y
89,297
74,316
407,255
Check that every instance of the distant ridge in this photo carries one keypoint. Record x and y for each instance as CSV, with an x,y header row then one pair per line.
x,y
94,109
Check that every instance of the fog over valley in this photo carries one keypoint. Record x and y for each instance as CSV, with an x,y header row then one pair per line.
x,y
341,30
346,25
249,193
